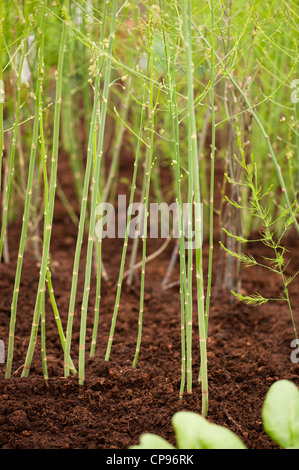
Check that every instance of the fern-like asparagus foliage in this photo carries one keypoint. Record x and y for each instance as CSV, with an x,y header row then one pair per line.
x,y
276,263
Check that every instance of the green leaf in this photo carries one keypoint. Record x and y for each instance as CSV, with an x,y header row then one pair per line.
x,y
195,432
255,299
291,278
233,203
281,414
152,441
248,260
236,237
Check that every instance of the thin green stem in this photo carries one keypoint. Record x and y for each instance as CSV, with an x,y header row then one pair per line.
x,y
13,150
68,131
2,91
94,199
136,240
260,125
83,210
147,188
170,74
43,338
50,206
125,245
57,317
38,107
212,171
194,168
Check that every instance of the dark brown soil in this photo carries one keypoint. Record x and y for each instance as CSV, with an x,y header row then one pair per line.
x,y
249,349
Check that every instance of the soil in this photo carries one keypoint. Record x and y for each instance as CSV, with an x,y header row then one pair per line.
x,y
248,350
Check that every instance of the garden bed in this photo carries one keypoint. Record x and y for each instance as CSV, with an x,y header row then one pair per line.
x,y
248,350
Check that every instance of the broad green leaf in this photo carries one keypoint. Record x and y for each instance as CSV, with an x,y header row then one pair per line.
x,y
281,414
152,441
195,432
